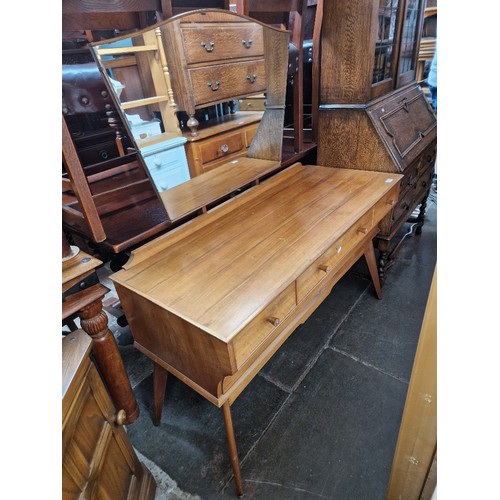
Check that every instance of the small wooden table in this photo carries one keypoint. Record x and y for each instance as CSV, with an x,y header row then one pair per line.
x,y
82,295
214,299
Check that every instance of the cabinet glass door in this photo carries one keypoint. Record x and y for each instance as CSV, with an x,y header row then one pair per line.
x,y
409,42
385,47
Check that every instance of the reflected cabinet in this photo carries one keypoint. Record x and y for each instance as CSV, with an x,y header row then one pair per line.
x,y
373,115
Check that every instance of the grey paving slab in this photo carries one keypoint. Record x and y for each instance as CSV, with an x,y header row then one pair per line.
x,y
334,438
190,444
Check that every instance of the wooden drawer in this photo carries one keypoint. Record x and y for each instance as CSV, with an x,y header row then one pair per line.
x,y
324,265
385,205
226,81
221,147
206,44
263,325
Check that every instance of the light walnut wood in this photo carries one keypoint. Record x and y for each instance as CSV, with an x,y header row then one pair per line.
x,y
214,299
412,468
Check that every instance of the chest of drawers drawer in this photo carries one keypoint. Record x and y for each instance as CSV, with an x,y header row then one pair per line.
x,y
220,147
226,81
263,325
205,44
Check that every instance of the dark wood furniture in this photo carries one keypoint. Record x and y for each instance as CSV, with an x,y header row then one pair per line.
x,y
373,115
212,301
82,296
113,204
98,460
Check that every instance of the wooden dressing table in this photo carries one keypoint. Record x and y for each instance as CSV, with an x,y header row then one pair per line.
x,y
214,299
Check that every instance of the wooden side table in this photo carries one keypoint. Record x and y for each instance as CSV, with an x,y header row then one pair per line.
x,y
82,296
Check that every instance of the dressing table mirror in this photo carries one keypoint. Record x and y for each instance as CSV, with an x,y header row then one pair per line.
x,y
179,81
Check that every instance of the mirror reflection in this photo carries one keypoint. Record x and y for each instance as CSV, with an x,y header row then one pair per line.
x,y
191,94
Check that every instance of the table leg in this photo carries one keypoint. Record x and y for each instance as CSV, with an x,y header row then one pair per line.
x,y
159,385
233,452
372,267
94,322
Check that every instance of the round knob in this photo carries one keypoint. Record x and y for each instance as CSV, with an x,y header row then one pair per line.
x,y
120,417
224,148
325,267
273,320
157,161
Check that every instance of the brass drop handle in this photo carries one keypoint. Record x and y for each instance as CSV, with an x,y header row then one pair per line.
x,y
363,230
215,86
247,44
273,320
252,78
120,417
224,148
325,267
210,46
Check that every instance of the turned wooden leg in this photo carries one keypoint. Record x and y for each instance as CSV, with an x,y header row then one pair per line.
x,y
193,123
160,377
372,267
233,452
94,322
421,215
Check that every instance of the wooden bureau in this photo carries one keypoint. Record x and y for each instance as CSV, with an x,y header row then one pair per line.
x,y
214,299
98,460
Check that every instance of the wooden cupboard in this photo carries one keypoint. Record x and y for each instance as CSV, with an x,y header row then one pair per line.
x,y
98,460
373,115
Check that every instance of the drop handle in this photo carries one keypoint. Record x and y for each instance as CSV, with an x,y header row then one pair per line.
x,y
363,230
325,267
120,417
273,320
208,48
214,86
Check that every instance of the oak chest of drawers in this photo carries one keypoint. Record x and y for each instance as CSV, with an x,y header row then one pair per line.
x,y
213,62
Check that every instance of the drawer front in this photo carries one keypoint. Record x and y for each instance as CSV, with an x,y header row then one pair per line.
x,y
252,104
221,147
227,81
327,262
206,44
226,159
262,326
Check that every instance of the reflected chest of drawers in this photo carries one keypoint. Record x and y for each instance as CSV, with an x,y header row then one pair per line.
x,y
214,299
213,62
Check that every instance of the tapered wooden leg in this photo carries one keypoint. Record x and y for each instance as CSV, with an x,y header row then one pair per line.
x,y
372,267
160,377
233,452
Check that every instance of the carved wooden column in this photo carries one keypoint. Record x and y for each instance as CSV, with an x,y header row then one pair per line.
x,y
82,297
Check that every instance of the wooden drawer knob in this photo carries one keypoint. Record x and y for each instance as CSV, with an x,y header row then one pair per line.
x,y
325,267
391,202
363,230
120,417
273,320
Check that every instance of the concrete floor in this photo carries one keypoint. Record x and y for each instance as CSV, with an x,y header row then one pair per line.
x,y
321,419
